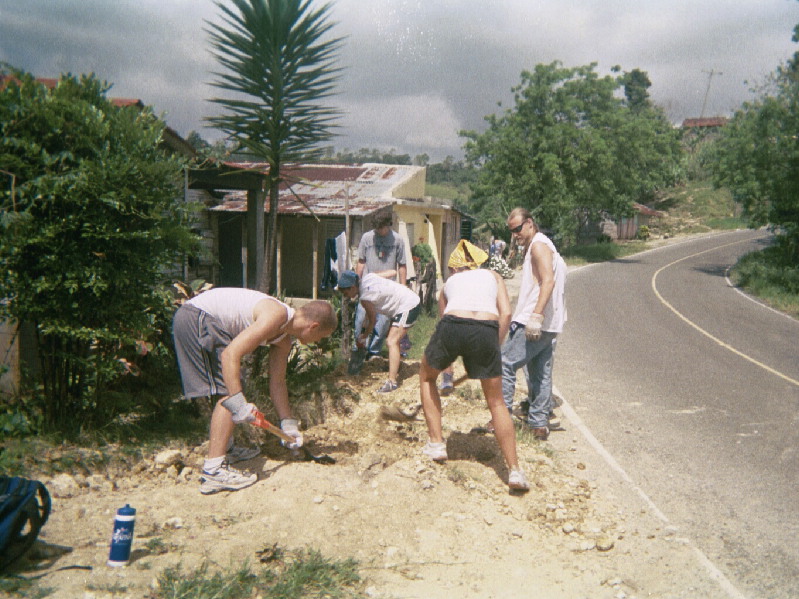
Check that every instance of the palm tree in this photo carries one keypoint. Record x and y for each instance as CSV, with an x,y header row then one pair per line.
x,y
279,63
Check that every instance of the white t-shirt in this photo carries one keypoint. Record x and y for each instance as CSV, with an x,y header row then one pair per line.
x,y
389,298
555,310
473,290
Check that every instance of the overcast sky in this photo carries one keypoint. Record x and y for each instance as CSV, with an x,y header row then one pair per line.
x,y
418,71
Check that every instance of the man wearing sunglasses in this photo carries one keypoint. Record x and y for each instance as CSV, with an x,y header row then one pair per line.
x,y
539,317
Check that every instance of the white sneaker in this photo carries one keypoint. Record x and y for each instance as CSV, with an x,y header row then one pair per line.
x,y
517,481
225,479
241,454
435,451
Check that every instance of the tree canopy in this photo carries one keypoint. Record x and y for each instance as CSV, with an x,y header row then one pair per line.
x,y
571,148
757,157
88,222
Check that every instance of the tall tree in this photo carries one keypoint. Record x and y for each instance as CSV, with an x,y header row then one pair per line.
x,y
279,66
86,232
757,157
571,148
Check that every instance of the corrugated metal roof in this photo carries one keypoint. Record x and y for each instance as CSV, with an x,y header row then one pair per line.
x,y
325,188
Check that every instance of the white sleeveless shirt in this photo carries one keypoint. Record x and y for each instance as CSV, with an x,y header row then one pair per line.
x,y
555,310
234,307
472,290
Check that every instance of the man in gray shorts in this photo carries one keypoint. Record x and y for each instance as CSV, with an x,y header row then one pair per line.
x,y
213,332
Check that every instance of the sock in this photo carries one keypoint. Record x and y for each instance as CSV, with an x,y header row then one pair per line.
x,y
211,465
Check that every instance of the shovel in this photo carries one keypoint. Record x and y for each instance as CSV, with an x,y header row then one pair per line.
x,y
262,422
359,357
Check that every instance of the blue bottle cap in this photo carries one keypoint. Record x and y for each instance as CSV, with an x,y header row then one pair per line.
x,y
126,511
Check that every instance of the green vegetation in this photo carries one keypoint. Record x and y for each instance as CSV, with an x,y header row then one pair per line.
x,y
278,62
571,149
769,277
283,575
420,334
577,255
87,229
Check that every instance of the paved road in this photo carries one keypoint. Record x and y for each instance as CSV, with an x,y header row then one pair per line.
x,y
694,389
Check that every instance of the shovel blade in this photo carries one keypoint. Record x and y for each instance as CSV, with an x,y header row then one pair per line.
x,y
356,361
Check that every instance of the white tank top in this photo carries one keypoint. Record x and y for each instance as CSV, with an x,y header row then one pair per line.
x,y
234,307
555,310
472,290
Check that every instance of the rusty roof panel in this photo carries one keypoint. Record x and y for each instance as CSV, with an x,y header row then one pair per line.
x,y
325,188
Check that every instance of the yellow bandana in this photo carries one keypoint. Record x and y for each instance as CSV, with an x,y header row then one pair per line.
x,y
466,254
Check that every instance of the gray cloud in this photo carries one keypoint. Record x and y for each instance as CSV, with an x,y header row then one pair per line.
x,y
417,71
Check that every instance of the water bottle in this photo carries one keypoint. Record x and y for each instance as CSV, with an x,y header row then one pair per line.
x,y
122,538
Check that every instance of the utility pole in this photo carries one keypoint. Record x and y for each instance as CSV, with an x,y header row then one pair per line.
x,y
710,74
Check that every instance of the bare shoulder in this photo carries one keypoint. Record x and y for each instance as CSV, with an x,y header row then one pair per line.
x,y
269,314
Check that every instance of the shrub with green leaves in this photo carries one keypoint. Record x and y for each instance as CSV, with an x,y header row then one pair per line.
x,y
86,229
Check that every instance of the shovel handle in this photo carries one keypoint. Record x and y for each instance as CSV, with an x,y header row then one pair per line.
x,y
261,422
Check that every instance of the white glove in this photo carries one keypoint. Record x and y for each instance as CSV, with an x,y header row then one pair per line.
x,y
242,410
290,427
532,331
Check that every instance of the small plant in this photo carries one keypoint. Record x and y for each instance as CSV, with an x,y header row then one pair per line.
x,y
291,575
498,264
422,254
470,393
643,233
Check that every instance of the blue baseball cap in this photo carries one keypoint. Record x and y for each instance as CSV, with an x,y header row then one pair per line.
x,y
347,279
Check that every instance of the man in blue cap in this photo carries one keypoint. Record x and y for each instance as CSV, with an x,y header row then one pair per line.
x,y
380,296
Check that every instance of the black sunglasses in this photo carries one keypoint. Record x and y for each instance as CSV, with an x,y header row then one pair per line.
x,y
518,229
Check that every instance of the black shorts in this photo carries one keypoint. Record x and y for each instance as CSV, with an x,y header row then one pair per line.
x,y
476,341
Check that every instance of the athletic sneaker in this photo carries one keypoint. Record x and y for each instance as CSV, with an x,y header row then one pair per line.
x,y
388,387
225,479
517,481
241,454
435,451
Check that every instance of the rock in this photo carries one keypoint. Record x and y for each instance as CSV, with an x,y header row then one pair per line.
x,y
167,458
568,528
174,523
97,482
604,544
63,485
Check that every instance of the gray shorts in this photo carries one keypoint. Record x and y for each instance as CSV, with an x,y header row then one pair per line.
x,y
199,341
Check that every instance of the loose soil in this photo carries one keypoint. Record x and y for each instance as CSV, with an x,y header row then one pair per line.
x,y
417,529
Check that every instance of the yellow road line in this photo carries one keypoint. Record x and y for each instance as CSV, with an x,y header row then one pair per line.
x,y
703,331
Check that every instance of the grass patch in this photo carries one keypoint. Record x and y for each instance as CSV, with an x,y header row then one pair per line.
x,y
289,575
19,586
770,277
420,334
601,252
123,441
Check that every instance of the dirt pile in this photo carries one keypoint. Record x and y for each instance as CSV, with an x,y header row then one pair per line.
x,y
417,529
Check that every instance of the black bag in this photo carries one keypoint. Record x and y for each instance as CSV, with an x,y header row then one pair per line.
x,y
24,509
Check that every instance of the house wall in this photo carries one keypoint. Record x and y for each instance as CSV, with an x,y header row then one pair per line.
x,y
413,188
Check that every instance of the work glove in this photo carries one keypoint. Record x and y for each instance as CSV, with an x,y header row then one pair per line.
x,y
290,427
532,331
242,410
361,341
